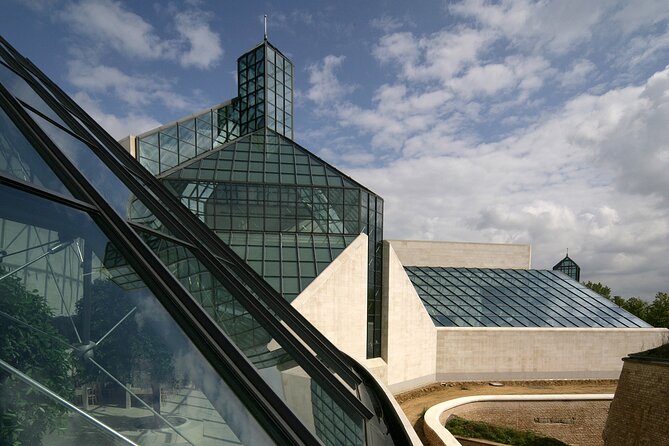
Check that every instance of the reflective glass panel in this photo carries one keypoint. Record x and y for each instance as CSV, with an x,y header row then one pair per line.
x,y
78,319
513,298
19,159
280,370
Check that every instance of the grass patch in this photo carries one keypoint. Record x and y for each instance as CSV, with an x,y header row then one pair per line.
x,y
484,431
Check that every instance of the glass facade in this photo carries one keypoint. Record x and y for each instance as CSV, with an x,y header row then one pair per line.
x,y
569,267
265,99
286,212
161,150
472,297
146,332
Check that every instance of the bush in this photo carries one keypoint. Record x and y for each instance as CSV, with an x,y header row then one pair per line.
x,y
484,431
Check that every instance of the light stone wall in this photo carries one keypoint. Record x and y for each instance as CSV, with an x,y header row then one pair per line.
x,y
336,301
463,255
409,336
474,354
378,368
128,143
639,411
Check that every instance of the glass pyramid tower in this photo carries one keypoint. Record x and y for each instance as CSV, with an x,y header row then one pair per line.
x,y
569,267
287,213
125,320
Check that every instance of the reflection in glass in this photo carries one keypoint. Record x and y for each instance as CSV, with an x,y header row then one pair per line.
x,y
278,368
77,319
18,159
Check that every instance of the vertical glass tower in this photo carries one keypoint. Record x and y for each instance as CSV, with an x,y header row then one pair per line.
x,y
287,213
265,90
569,267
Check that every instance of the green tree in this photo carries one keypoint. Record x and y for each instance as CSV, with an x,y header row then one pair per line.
x,y
658,311
26,416
636,306
599,288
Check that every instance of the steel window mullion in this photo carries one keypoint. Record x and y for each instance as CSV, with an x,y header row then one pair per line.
x,y
179,304
203,236
488,304
464,309
510,294
309,361
556,294
210,339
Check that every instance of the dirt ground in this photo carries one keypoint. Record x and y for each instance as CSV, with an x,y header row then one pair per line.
x,y
416,402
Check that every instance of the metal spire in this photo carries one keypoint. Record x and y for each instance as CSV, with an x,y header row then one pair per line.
x,y
265,26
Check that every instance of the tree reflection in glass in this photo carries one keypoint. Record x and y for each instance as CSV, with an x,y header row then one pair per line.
x,y
77,319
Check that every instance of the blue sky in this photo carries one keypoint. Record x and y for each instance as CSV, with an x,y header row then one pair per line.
x,y
514,121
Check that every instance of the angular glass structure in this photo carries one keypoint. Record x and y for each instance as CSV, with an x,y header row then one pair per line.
x,y
125,320
283,210
569,267
473,297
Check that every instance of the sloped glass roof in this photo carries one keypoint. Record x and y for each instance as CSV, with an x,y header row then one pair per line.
x,y
473,297
282,210
144,331
287,213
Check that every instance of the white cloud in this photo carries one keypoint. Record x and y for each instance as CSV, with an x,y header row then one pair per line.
x,y
109,23
204,44
439,56
117,126
386,23
553,26
324,87
133,90
640,14
590,177
578,73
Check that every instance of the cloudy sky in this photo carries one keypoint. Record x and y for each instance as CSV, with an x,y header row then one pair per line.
x,y
514,121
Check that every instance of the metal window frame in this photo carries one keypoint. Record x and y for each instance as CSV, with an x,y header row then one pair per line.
x,y
265,406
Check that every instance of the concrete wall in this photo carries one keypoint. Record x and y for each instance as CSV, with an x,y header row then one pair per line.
x,y
464,255
409,336
128,143
574,419
336,301
639,413
475,354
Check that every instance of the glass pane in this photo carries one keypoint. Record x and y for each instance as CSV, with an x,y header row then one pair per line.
x,y
98,174
516,297
280,370
19,159
77,318
44,420
21,90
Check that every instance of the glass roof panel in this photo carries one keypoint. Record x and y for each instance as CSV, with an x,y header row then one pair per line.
x,y
541,298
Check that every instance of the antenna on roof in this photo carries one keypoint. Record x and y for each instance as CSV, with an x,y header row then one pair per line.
x,y
265,26
567,252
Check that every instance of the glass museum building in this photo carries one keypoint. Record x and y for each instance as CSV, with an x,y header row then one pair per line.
x,y
212,281
125,320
